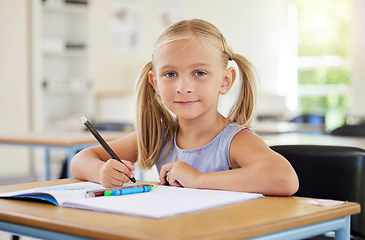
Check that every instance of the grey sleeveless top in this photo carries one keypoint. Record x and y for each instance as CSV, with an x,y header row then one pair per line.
x,y
212,157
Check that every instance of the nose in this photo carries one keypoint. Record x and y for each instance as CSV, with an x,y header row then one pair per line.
x,y
184,86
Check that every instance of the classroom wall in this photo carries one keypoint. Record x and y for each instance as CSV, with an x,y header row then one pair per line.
x,y
358,51
15,109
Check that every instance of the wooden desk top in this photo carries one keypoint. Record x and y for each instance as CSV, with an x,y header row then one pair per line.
x,y
313,139
241,220
61,138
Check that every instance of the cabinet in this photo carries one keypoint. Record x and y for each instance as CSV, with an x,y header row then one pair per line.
x,y
61,64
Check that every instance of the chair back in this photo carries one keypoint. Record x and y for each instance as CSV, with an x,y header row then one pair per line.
x,y
330,172
357,130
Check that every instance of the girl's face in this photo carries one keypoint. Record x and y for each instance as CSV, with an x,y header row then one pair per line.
x,y
189,76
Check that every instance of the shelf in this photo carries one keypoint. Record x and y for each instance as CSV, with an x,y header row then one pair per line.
x,y
64,83
67,54
67,8
66,91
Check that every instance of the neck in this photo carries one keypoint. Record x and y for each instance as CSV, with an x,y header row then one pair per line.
x,y
197,133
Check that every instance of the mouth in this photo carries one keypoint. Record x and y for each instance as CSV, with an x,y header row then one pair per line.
x,y
185,103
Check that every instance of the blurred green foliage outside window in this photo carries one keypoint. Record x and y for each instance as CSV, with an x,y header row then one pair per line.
x,y
324,50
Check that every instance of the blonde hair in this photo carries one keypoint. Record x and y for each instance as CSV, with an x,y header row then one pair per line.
x,y
155,125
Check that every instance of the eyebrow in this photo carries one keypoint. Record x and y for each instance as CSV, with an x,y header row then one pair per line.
x,y
192,65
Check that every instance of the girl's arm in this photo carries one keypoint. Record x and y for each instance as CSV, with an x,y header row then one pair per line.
x,y
256,169
94,163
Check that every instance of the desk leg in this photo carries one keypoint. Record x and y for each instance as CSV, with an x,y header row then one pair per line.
x,y
47,159
341,226
344,233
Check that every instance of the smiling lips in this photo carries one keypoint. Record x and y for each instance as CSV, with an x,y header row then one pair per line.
x,y
185,103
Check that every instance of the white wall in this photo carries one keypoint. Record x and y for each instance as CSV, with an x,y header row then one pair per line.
x,y
14,83
114,72
358,52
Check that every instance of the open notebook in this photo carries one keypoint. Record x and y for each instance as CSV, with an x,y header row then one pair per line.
x,y
161,202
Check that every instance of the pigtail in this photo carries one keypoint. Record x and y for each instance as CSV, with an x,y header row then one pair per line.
x,y
242,110
152,120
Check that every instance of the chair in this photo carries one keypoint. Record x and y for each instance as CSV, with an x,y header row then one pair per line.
x,y
330,172
356,130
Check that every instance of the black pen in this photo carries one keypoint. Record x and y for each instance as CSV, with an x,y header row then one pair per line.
x,y
102,142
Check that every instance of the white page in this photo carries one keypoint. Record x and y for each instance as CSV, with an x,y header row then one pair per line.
x,y
163,201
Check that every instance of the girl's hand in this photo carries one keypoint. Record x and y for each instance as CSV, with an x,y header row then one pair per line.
x,y
180,174
114,173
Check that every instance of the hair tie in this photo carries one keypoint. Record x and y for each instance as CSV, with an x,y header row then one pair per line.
x,y
231,57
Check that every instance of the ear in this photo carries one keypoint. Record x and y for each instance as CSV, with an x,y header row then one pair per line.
x,y
152,79
228,80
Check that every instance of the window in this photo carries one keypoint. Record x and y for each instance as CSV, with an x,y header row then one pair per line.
x,y
324,50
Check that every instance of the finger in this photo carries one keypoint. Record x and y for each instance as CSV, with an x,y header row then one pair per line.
x,y
172,180
175,183
131,168
163,181
111,182
119,176
166,181
163,173
123,168
119,181
129,165
115,179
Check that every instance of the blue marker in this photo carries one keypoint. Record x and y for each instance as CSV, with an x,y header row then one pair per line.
x,y
119,191
132,190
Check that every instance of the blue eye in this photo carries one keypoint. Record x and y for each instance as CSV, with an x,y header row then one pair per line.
x,y
200,73
170,74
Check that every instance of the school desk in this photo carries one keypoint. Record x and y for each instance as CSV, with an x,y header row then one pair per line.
x,y
264,218
313,139
72,141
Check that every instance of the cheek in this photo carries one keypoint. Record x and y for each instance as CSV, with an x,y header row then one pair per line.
x,y
164,91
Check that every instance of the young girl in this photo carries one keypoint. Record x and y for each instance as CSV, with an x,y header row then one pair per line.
x,y
179,128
